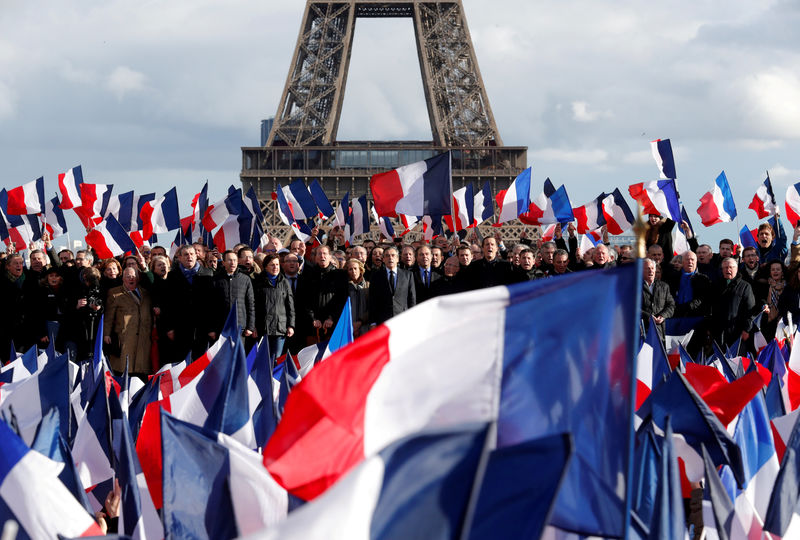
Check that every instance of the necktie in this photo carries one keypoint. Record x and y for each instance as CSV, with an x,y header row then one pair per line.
x,y
392,280
294,283
427,279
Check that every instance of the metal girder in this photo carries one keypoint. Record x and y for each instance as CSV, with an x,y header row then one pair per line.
x,y
311,103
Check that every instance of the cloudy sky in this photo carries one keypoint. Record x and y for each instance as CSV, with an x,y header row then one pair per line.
x,y
150,94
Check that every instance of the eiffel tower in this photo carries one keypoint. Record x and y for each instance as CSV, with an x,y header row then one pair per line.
x,y
302,142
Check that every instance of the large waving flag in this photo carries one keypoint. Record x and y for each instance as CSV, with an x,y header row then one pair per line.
x,y
419,189
617,213
659,197
26,199
34,497
717,206
763,203
69,183
328,428
161,216
385,224
515,200
793,204
662,153
551,206
109,239
418,487
213,486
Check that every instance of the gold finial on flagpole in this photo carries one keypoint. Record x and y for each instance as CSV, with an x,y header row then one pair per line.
x,y
640,229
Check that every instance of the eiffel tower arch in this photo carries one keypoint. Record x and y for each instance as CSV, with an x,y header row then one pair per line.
x,y
302,141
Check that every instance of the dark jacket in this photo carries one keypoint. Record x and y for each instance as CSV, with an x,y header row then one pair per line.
x,y
423,291
659,303
186,311
701,288
275,311
385,304
482,273
325,292
733,308
229,289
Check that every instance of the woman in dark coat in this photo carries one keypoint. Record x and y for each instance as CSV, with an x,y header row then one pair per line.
x,y
275,314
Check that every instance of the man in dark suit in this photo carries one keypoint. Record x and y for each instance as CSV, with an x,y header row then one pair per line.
x,y
391,290
185,313
657,301
424,274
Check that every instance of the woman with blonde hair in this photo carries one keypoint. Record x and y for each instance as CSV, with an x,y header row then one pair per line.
x,y
358,290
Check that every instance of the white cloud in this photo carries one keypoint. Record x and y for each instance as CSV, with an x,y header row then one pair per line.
x,y
782,177
584,157
124,80
775,100
581,112
639,157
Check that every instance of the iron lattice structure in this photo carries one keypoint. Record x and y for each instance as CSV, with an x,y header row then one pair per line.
x,y
302,141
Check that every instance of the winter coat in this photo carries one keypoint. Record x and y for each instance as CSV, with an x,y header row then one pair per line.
x,y
129,321
274,306
229,289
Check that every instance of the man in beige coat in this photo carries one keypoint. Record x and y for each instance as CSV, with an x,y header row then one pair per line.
x,y
129,318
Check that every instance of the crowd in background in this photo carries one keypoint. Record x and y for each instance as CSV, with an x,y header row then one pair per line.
x,y
156,309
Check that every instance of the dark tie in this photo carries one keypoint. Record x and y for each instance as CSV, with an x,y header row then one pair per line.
x,y
426,277
294,283
392,280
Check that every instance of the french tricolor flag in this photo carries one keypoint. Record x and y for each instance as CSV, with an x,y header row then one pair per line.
x,y
717,206
359,219
617,214
551,206
342,213
320,199
590,215
659,197
286,213
34,496
662,153
463,207
748,237
763,202
161,216
300,200
94,202
515,200
69,183
26,199
53,219
418,189
482,208
793,204
228,234
385,224
109,239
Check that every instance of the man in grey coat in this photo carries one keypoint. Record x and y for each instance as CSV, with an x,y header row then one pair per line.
x,y
657,301
231,286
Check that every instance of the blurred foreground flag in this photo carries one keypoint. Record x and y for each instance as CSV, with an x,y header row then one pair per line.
x,y
494,352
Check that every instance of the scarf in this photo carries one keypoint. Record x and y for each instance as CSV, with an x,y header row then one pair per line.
x,y
18,281
189,273
775,290
273,280
685,292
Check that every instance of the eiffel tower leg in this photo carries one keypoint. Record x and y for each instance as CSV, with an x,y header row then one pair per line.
x,y
310,106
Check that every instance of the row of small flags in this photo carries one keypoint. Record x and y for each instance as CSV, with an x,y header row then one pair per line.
x,y
419,192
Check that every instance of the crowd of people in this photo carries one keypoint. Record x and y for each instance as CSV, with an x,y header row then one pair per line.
x,y
156,310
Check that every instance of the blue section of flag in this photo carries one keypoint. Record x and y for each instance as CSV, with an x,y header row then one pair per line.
x,y
303,198
195,488
427,483
746,238
523,511
343,331
320,199
438,186
12,449
664,147
534,384
727,203
786,493
670,193
142,200
488,208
